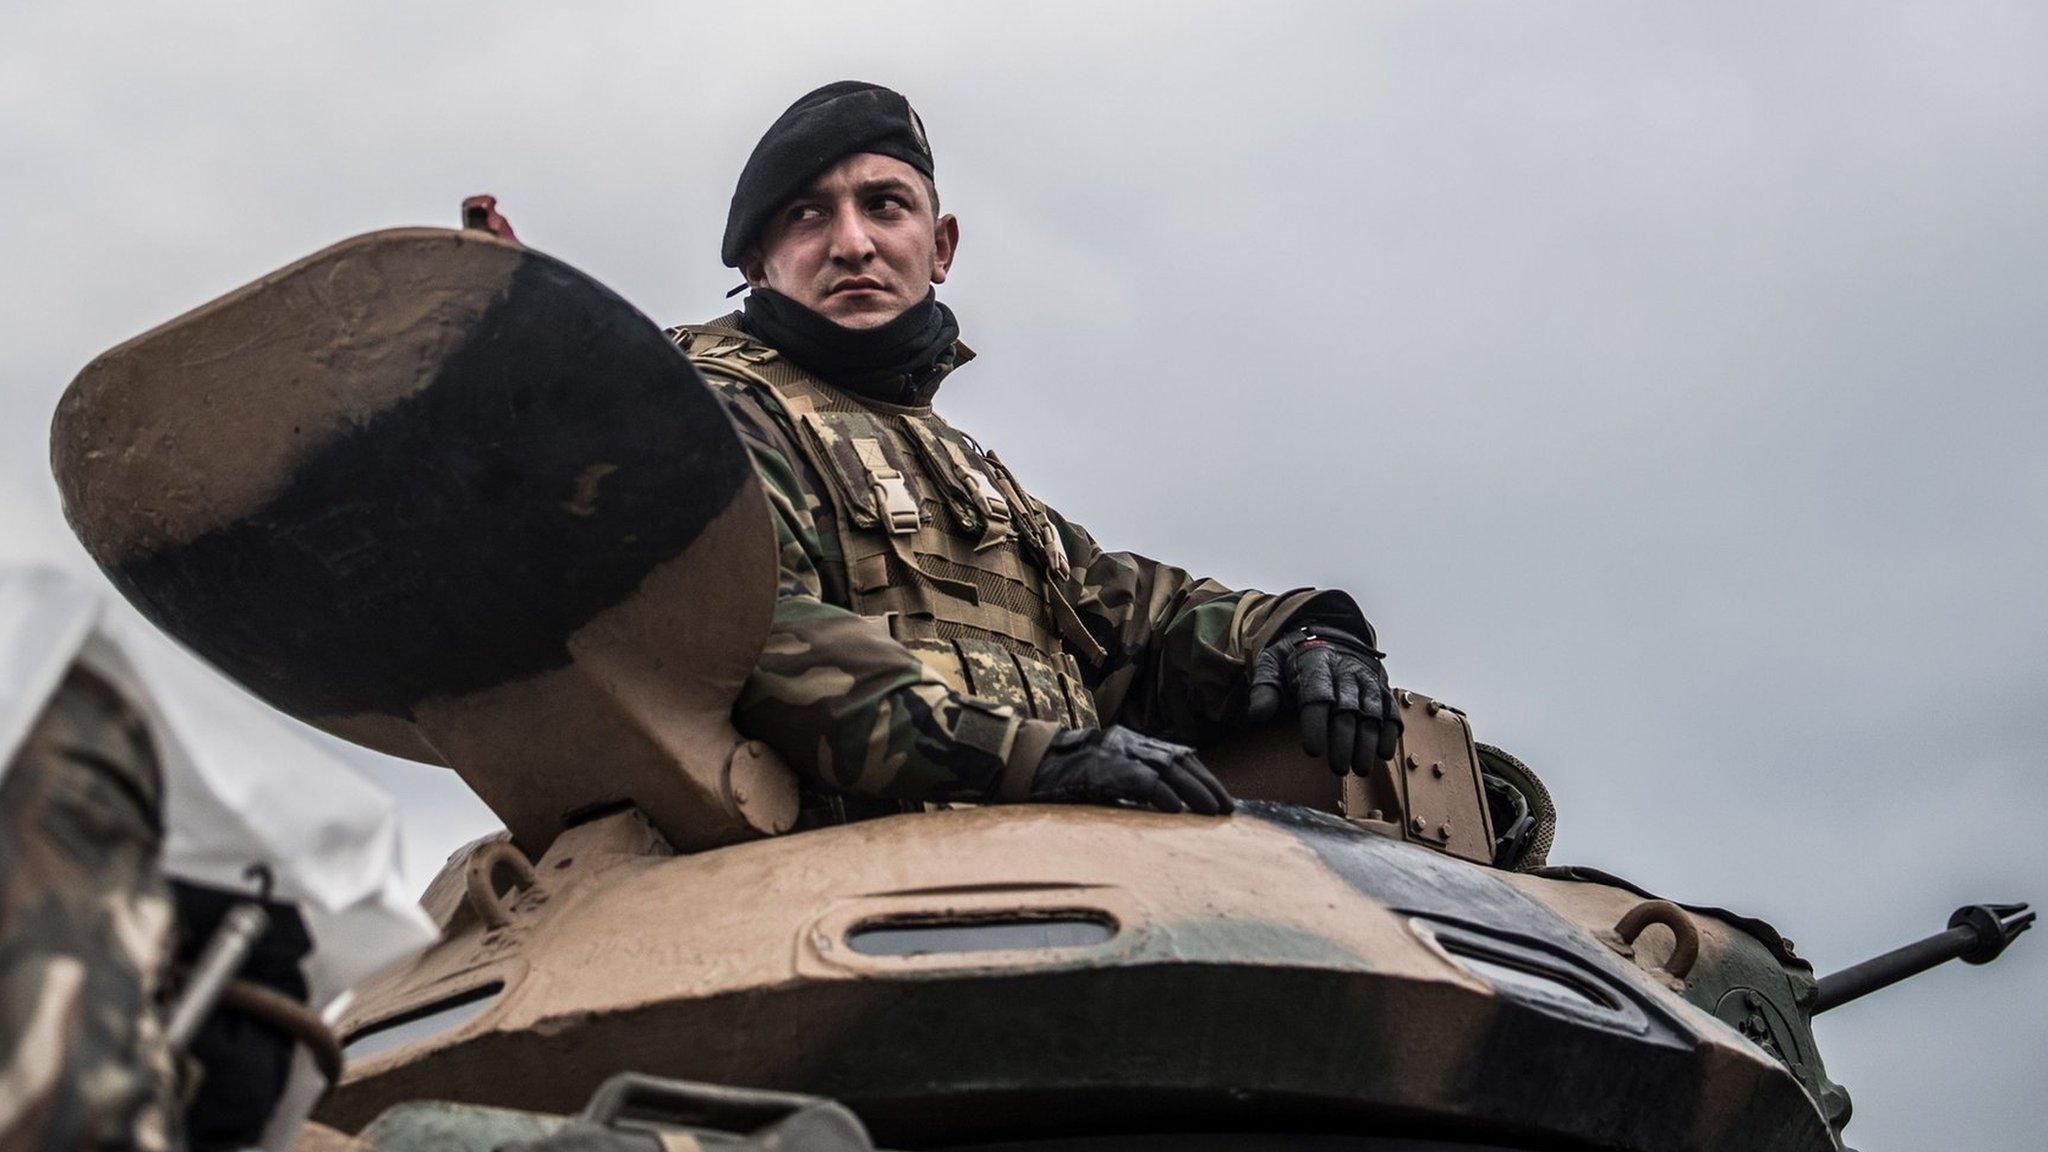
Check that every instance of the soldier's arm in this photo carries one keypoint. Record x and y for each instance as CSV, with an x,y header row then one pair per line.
x,y
1178,650
84,932
846,705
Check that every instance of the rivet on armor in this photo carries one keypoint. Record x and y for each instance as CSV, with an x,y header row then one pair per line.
x,y
1418,823
1436,769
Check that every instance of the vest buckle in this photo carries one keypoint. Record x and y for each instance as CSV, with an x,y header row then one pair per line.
x,y
993,505
898,506
1056,550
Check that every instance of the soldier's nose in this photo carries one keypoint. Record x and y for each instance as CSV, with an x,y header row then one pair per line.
x,y
850,240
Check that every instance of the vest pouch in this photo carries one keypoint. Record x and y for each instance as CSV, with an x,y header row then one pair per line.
x,y
955,489
869,479
1033,687
995,508
944,662
1079,698
976,668
1048,697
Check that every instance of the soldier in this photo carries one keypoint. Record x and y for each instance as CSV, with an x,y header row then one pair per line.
x,y
85,930
89,926
95,1050
939,633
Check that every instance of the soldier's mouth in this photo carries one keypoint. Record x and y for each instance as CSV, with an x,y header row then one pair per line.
x,y
858,284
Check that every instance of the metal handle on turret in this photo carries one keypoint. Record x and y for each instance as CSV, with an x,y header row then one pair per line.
x,y
482,884
1685,935
776,1119
1977,934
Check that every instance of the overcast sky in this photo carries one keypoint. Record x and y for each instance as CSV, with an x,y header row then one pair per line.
x,y
1666,381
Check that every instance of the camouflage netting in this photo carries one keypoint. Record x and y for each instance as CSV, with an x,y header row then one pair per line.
x,y
1535,850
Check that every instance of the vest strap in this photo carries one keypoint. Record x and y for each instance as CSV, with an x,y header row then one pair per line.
x,y
1072,630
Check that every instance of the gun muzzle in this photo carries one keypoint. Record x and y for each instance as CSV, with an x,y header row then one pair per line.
x,y
1977,934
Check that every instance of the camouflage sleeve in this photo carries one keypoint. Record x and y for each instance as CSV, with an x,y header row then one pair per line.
x,y
1178,650
847,706
84,931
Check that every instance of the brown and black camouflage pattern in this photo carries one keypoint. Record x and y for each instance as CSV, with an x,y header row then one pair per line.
x,y
1276,971
85,923
445,496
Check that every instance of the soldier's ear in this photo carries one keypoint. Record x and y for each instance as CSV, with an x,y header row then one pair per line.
x,y
754,268
946,241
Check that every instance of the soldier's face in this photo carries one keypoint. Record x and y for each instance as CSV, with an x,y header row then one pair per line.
x,y
859,246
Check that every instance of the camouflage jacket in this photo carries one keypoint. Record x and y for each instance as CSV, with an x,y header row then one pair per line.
x,y
85,930
857,712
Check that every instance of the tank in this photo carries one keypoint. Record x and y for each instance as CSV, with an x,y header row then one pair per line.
x,y
442,495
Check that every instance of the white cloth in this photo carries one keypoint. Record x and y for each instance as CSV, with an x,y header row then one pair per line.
x,y
241,787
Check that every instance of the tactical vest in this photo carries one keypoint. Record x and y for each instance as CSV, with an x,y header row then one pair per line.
x,y
943,548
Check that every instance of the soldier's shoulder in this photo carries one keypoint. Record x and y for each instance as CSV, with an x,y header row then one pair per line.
x,y
720,341
724,353
730,363
728,324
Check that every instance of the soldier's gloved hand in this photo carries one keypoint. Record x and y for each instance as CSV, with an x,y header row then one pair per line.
x,y
1338,687
1104,766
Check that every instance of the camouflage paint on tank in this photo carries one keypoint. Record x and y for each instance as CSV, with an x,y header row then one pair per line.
x,y
446,496
1277,967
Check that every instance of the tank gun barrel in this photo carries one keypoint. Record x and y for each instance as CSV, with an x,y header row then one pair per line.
x,y
1976,934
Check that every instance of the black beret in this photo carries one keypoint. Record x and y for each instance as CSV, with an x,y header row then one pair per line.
x,y
834,121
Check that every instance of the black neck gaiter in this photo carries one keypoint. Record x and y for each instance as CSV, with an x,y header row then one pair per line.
x,y
890,363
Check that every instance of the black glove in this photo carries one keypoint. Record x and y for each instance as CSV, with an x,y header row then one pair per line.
x,y
1338,686
1105,766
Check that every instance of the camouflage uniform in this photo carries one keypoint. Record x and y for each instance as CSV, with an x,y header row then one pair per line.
x,y
936,624
85,923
